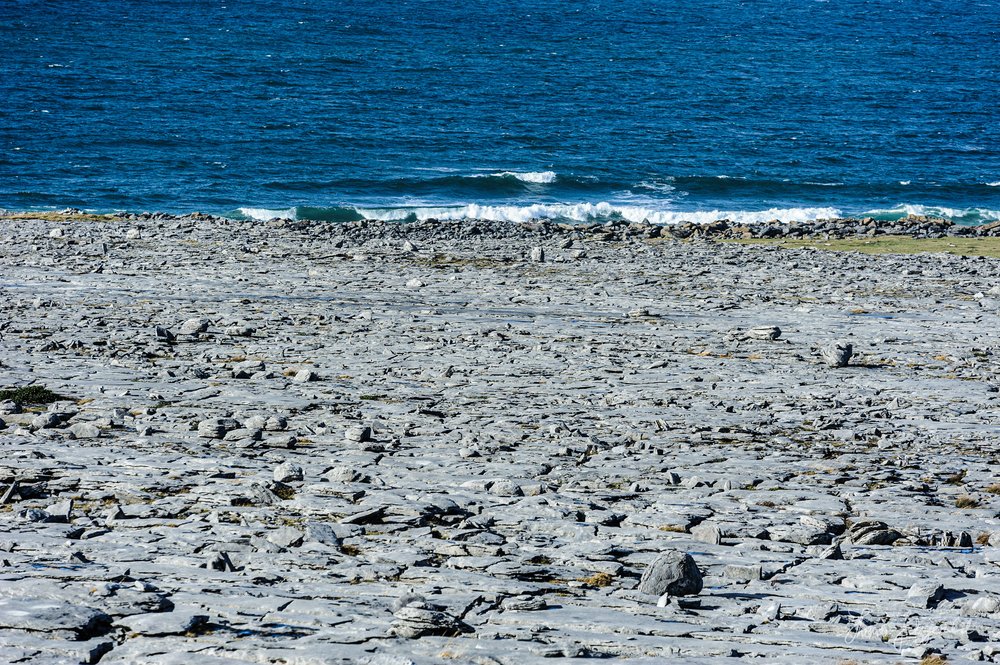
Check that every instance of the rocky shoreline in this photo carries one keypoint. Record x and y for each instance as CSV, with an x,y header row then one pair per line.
x,y
913,226
479,442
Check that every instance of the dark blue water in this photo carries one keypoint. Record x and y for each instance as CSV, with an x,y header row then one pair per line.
x,y
592,109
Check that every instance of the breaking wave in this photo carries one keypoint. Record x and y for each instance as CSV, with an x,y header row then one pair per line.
x,y
539,177
577,213
957,215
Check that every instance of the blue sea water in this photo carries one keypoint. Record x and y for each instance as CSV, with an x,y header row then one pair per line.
x,y
593,109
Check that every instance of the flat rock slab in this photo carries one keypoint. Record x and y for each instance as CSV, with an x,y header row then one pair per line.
x,y
163,623
52,616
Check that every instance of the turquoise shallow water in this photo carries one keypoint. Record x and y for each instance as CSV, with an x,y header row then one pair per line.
x,y
589,110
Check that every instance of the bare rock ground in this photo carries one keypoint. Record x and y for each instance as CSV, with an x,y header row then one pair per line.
x,y
287,443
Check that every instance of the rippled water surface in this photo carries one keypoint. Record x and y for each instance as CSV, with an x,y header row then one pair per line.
x,y
596,109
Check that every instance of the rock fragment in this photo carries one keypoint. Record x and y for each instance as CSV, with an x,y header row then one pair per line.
x,y
287,472
837,354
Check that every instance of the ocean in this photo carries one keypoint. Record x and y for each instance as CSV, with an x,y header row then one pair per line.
x,y
577,111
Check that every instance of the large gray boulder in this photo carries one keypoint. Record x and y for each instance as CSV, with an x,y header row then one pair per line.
x,y
673,573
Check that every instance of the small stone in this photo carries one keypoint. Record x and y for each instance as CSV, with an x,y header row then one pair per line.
x,y
707,533
46,420
409,246
743,572
982,607
506,488
764,332
60,512
56,233
305,376
255,422
133,234
837,354
674,573
84,431
163,623
770,612
414,284
917,653
821,611
358,434
318,532
164,335
276,424
924,595
538,255
242,434
414,621
524,604
237,330
286,536
194,326
287,472
878,537
33,515
211,428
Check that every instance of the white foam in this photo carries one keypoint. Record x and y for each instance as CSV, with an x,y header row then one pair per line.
x,y
264,214
538,177
598,212
904,183
658,185
904,209
993,184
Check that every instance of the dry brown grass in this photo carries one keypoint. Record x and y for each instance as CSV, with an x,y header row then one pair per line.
x,y
673,528
598,580
966,501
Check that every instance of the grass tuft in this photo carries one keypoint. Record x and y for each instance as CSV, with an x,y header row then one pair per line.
x,y
966,501
934,659
598,580
957,478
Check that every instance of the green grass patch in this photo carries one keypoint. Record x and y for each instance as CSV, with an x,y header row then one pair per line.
x,y
989,247
31,395
57,216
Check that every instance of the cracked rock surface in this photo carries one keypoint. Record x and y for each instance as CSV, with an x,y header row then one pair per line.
x,y
321,443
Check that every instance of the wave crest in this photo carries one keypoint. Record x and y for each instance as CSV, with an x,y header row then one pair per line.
x,y
535,177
